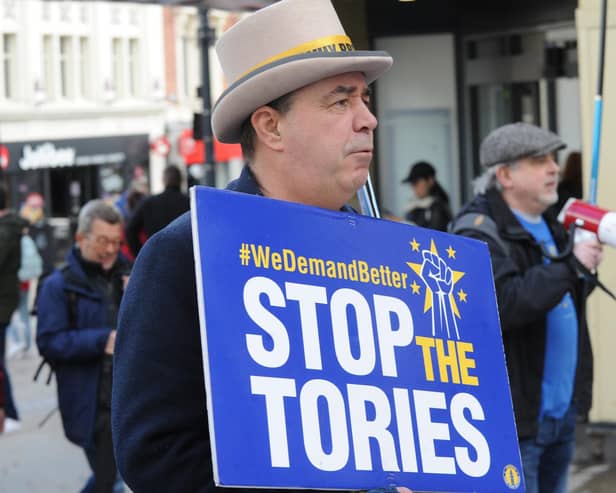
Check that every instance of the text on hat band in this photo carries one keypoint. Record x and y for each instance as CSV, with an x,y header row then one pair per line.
x,y
327,44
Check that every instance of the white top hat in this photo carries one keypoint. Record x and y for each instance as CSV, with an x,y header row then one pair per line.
x,y
278,49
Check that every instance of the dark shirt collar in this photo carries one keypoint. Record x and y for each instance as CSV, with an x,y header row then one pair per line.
x,y
92,269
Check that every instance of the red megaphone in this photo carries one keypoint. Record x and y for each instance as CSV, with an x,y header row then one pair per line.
x,y
590,218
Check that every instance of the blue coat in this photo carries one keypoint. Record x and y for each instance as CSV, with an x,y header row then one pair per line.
x,y
75,347
160,430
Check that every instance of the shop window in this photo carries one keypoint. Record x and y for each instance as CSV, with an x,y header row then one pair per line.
x,y
9,67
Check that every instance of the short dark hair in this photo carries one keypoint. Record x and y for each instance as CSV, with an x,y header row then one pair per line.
x,y
3,197
247,133
172,176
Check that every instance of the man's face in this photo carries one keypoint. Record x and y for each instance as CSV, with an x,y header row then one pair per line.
x,y
531,184
327,140
102,244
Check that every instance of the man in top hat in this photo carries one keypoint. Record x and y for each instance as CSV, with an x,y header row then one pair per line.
x,y
542,280
298,102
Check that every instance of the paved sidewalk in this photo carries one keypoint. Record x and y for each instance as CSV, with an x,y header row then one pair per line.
x,y
37,459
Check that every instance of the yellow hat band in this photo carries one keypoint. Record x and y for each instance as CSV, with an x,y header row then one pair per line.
x,y
327,44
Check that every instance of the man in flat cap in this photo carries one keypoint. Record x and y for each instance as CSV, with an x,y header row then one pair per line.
x,y
298,102
542,280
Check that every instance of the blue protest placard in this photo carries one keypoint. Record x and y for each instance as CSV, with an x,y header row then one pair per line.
x,y
346,352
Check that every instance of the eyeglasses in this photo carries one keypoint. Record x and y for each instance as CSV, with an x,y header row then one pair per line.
x,y
103,241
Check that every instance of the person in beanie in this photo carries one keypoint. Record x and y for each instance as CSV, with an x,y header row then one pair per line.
x,y
430,209
298,102
542,280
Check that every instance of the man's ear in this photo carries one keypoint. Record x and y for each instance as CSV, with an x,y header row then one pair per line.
x,y
503,175
265,122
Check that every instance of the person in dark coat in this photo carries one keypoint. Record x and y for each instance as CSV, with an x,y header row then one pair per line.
x,y
77,315
542,281
1,397
430,209
308,139
11,228
155,212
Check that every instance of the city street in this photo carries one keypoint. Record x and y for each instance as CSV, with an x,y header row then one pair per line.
x,y
40,459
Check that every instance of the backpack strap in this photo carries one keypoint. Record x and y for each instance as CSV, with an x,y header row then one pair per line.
x,y
72,320
478,222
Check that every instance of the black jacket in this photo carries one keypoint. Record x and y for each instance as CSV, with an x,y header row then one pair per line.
x,y
526,290
432,212
11,227
153,214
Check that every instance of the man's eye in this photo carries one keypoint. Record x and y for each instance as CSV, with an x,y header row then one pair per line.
x,y
342,102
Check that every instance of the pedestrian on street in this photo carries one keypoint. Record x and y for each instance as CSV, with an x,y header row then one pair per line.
x,y
430,208
306,130
154,213
11,229
1,398
77,315
30,268
542,281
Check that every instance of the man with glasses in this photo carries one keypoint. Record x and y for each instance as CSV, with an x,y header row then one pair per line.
x,y
77,313
542,280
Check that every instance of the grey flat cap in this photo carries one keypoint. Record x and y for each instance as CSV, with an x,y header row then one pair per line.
x,y
517,141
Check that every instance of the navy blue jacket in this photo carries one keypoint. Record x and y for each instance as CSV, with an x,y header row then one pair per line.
x,y
159,424
74,343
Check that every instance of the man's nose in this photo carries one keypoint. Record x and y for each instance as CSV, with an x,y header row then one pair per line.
x,y
365,119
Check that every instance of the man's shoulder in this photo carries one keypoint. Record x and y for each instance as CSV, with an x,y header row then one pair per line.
x,y
477,207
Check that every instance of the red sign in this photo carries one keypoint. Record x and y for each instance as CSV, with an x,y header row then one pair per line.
x,y
161,145
4,157
193,150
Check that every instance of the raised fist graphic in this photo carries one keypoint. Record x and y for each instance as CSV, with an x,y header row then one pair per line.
x,y
438,277
436,274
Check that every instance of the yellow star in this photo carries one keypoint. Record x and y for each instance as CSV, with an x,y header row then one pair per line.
x,y
462,295
415,287
451,252
414,245
456,276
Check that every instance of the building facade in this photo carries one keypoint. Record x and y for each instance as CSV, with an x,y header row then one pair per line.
x,y
82,92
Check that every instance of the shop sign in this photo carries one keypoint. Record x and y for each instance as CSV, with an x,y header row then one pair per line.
x,y
97,151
